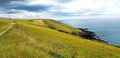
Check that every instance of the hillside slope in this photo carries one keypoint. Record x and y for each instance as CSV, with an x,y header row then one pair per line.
x,y
28,40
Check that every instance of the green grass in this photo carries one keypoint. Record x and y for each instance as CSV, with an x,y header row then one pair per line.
x,y
26,40
60,26
4,23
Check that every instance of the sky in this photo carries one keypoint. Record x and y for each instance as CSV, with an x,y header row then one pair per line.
x,y
60,9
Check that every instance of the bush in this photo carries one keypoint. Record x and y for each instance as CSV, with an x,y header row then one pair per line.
x,y
63,31
52,27
74,33
30,20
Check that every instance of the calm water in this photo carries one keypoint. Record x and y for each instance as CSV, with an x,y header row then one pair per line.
x,y
107,29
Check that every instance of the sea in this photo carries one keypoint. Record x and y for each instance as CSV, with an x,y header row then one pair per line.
x,y
107,28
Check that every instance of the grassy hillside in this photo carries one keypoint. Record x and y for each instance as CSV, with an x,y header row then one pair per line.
x,y
60,26
4,23
29,40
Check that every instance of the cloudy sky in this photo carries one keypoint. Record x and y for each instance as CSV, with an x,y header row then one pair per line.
x,y
60,9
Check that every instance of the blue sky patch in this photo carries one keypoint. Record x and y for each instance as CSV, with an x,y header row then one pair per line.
x,y
32,8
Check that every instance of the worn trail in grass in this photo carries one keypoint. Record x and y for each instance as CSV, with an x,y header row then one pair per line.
x,y
7,29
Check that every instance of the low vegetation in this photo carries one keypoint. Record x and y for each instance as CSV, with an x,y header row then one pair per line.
x,y
28,40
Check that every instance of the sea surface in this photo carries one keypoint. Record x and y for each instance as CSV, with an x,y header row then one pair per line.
x,y
107,29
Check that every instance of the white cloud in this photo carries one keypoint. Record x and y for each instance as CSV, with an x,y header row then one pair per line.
x,y
27,14
77,8
42,2
36,2
77,5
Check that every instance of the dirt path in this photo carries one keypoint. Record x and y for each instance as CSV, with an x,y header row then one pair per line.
x,y
6,29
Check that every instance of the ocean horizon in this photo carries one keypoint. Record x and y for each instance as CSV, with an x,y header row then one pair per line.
x,y
107,29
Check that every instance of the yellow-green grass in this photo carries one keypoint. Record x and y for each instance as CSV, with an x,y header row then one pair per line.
x,y
60,26
4,23
26,40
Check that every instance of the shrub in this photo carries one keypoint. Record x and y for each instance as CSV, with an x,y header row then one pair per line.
x,y
74,33
63,31
52,27
30,20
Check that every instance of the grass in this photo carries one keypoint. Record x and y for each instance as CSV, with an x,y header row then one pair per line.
x,y
26,40
60,26
4,23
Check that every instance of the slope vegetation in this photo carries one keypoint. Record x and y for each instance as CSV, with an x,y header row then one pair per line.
x,y
28,40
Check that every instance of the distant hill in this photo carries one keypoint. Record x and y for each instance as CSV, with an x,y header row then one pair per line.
x,y
45,38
